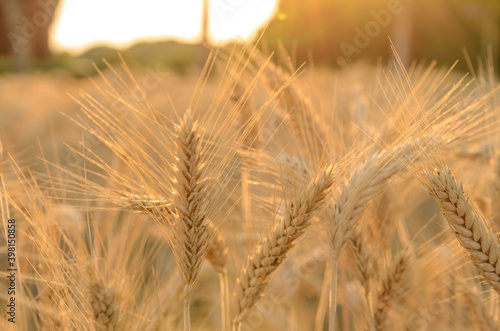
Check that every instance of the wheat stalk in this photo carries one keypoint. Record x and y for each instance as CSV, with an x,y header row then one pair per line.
x,y
469,227
273,249
252,140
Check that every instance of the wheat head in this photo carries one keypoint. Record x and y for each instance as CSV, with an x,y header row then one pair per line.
x,y
274,248
104,306
188,235
389,288
470,228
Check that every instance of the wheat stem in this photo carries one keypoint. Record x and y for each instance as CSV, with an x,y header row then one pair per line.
x,y
319,320
224,300
292,313
246,203
333,292
187,307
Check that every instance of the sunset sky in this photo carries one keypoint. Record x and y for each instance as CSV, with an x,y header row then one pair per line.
x,y
121,22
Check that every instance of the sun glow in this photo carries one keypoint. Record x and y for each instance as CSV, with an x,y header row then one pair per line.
x,y
82,24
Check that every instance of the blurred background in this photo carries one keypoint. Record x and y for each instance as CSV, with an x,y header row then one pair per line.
x,y
48,47
71,34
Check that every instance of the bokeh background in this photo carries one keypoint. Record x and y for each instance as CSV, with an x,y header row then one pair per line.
x,y
71,34
48,47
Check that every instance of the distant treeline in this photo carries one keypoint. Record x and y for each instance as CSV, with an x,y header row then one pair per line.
x,y
336,32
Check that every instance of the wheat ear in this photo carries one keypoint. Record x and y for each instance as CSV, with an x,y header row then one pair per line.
x,y
104,306
470,228
272,251
352,200
189,238
215,253
364,260
389,289
363,257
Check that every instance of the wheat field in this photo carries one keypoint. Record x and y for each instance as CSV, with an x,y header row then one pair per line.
x,y
253,194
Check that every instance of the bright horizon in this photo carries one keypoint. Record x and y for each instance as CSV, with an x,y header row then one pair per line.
x,y
152,20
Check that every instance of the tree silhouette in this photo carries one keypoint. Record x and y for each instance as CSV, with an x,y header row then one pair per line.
x,y
24,28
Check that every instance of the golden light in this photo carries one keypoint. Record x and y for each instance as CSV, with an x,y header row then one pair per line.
x,y
82,24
